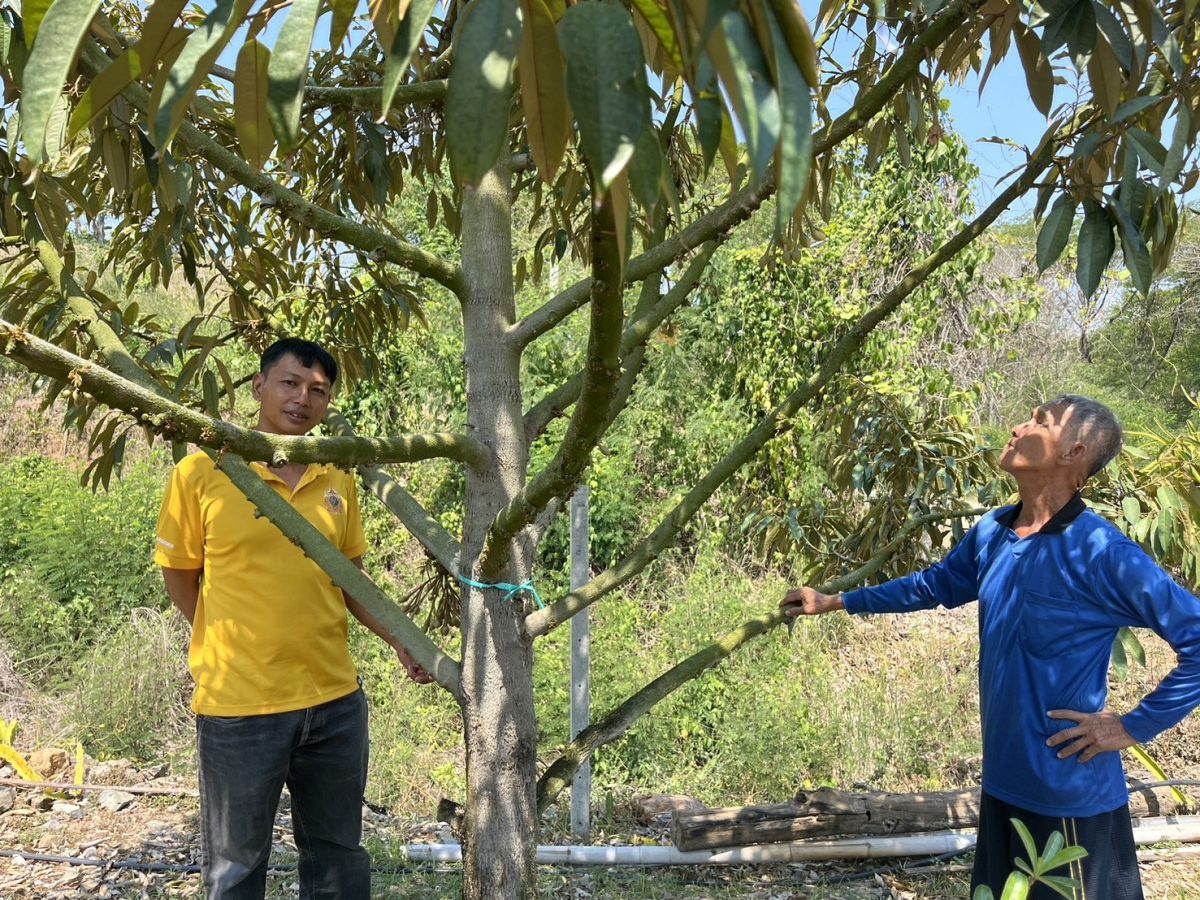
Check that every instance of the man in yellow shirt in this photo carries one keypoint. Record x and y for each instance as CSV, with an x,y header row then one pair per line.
x,y
277,698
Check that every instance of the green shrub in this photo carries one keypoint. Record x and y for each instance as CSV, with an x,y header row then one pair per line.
x,y
132,690
75,563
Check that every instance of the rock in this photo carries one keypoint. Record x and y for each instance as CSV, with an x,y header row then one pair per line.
x,y
659,807
114,801
50,762
8,797
70,810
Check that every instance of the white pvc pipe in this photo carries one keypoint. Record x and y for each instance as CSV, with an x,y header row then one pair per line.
x,y
1148,831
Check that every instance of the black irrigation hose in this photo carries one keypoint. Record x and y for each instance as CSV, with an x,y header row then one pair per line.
x,y
192,868
186,868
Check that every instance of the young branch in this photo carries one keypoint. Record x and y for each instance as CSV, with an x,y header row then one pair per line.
x,y
560,773
378,244
602,372
637,332
174,421
744,202
367,99
779,420
428,531
344,573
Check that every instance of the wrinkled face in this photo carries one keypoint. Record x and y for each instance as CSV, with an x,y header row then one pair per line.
x,y
1039,444
293,398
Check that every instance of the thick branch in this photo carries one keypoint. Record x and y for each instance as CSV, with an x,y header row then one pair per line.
x,y
637,332
779,421
344,573
287,202
428,531
743,203
175,421
562,770
600,379
367,99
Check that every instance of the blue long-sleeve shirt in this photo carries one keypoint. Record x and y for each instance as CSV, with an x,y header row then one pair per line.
x,y
1049,609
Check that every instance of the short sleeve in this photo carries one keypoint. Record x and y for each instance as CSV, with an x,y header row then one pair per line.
x,y
354,542
179,541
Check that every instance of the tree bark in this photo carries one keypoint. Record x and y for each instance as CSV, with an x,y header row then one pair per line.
x,y
499,839
825,812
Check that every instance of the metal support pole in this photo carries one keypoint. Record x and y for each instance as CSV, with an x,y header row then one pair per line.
x,y
581,676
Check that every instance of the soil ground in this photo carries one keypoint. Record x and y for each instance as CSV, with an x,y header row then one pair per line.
x,y
150,849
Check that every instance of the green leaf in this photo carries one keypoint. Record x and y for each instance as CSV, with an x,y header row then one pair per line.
x,y
709,112
1082,33
1016,887
1096,246
404,45
480,91
199,54
1131,108
1120,662
1133,246
1132,509
1055,232
1054,845
1173,164
343,15
1060,884
755,99
1026,840
1063,857
33,12
1152,154
655,14
159,39
288,72
645,169
1115,34
795,140
543,90
60,36
606,84
1039,77
1088,144
1133,646
250,118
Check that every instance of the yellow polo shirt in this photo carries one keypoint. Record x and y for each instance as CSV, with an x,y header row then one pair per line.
x,y
270,632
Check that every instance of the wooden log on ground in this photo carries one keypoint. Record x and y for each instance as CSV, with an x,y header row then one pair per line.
x,y
824,813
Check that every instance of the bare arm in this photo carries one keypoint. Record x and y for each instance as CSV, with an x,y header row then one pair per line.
x,y
183,587
805,601
415,672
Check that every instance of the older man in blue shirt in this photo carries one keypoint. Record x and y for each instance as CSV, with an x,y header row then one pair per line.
x,y
1054,582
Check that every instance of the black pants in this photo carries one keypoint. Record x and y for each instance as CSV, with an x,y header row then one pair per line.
x,y
321,754
1108,872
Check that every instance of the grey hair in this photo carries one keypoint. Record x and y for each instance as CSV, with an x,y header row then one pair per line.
x,y
1095,426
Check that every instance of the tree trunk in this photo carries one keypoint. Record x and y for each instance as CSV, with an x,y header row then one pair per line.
x,y
824,813
499,839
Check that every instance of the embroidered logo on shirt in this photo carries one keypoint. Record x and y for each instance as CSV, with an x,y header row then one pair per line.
x,y
166,543
333,502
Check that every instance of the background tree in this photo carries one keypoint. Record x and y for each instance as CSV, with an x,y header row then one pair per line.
x,y
271,185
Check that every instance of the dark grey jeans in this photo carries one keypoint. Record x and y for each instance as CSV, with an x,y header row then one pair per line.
x,y
321,755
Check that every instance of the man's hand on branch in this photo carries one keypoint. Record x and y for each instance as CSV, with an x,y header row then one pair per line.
x,y
1093,734
415,672
806,601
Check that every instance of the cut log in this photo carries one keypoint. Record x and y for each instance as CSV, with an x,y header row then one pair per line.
x,y
825,813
